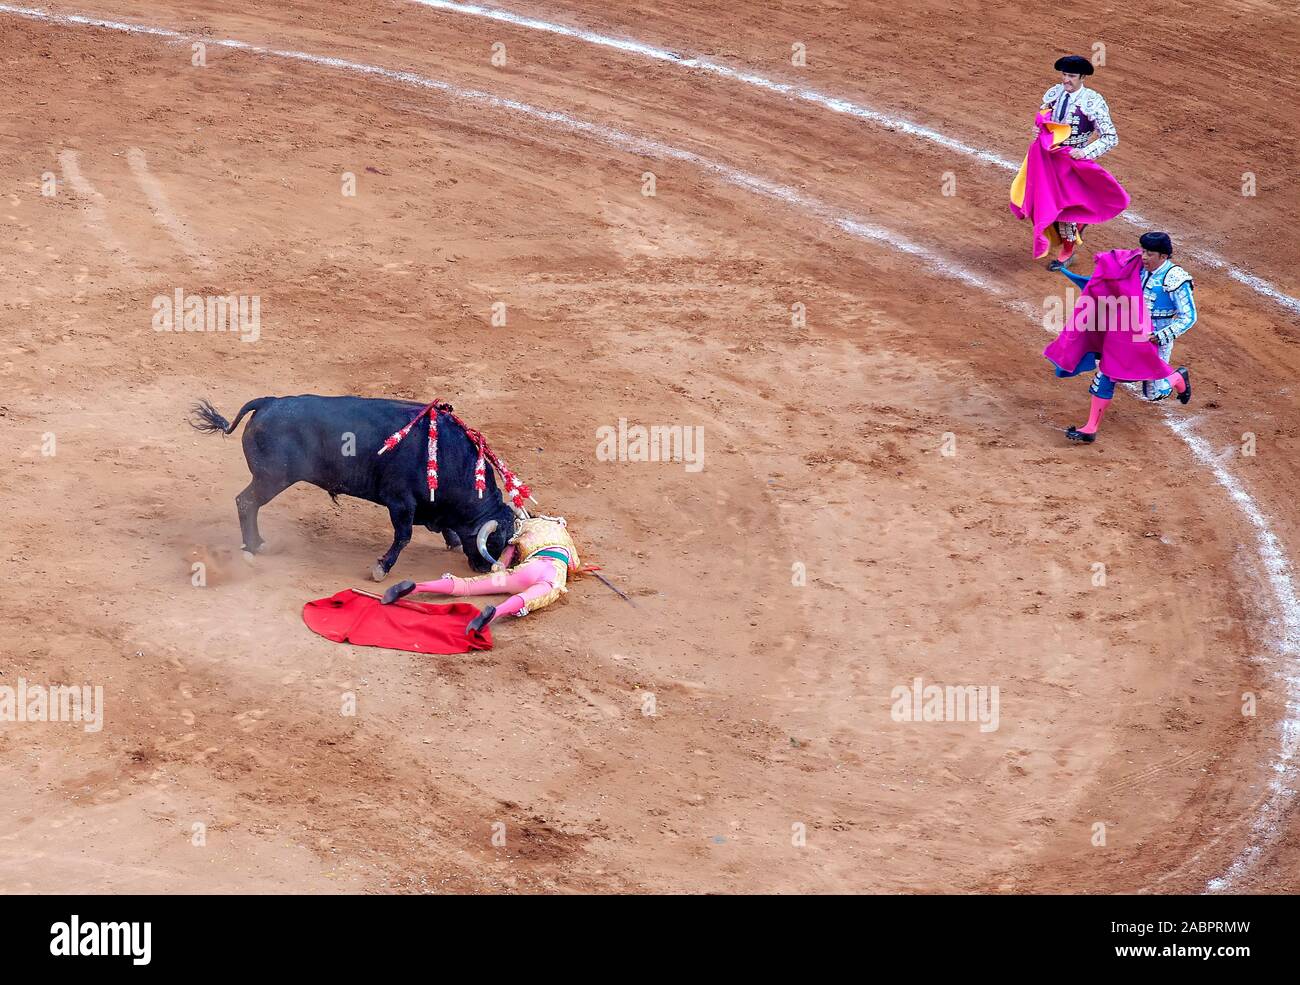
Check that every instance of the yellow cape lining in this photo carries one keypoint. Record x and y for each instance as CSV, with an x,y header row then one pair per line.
x,y
1059,132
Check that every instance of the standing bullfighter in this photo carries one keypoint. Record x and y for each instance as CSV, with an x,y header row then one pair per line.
x,y
1092,132
1167,289
1167,294
1111,331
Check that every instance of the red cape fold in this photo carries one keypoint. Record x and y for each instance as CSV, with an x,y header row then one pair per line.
x,y
420,627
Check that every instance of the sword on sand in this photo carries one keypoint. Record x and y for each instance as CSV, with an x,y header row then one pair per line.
x,y
614,588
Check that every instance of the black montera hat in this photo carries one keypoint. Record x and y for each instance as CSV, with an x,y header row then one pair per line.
x,y
1074,63
1157,243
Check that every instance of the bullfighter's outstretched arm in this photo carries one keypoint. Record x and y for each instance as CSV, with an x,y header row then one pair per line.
x,y
1080,281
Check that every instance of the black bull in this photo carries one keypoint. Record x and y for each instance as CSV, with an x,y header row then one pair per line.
x,y
333,442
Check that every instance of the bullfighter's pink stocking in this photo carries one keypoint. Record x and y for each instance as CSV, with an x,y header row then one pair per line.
x,y
1094,417
527,582
493,584
513,604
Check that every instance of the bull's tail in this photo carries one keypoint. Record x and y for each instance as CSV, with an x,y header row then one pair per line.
x,y
207,419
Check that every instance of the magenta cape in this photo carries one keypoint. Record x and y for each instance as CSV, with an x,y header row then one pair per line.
x,y
1054,187
1110,324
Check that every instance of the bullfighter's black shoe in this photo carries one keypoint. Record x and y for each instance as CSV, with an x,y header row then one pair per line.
x,y
1074,434
482,619
1186,395
395,592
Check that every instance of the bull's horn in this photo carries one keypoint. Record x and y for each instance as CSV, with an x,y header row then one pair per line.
x,y
484,532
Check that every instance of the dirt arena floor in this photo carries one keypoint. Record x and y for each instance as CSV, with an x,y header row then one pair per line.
x,y
1120,704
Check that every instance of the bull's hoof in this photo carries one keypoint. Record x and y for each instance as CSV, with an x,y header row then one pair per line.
x,y
248,556
378,573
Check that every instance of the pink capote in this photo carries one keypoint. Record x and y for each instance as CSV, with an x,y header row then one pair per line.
x,y
1060,189
1110,323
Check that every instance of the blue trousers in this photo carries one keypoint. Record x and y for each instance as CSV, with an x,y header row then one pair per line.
x,y
1102,386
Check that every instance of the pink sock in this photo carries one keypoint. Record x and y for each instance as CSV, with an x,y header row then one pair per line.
x,y
440,586
515,603
528,581
509,607
1176,381
497,583
1094,416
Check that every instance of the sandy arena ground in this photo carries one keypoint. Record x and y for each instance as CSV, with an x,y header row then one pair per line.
x,y
1120,704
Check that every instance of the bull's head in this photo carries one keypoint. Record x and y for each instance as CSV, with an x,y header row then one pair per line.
x,y
484,544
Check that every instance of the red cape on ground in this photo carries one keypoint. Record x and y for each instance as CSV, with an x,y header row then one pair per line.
x,y
421,627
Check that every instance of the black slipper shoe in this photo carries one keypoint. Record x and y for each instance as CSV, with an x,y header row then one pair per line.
x,y
1186,395
482,619
1074,434
395,592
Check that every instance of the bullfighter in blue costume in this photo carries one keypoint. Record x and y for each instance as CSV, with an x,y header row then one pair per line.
x,y
1167,292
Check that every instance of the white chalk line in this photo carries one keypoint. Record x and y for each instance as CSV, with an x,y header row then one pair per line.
x,y
1275,561
625,141
836,104
1276,564
157,198
1277,568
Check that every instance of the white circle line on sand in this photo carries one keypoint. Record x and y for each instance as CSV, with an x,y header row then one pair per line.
x,y
625,141
1277,569
1276,565
836,104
